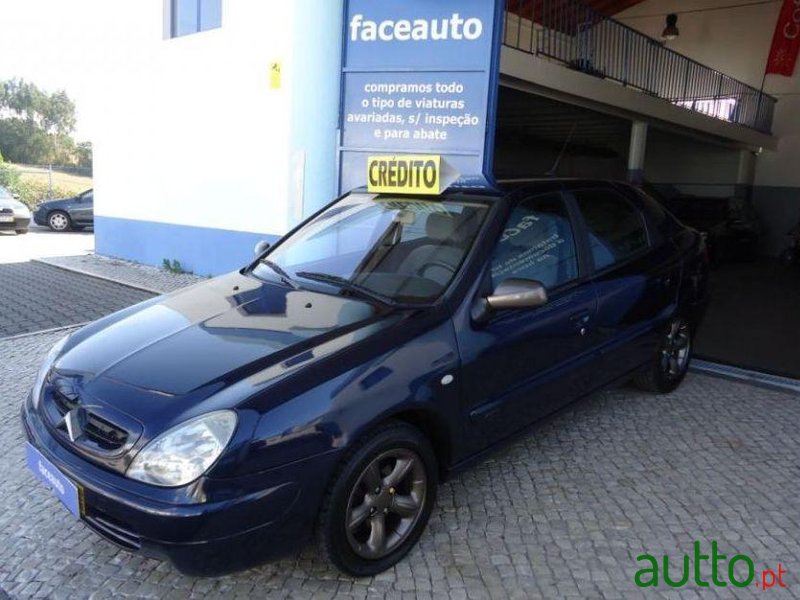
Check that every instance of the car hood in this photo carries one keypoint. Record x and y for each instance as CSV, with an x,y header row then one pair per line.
x,y
57,203
13,204
206,338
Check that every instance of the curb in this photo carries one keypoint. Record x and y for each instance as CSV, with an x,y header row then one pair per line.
x,y
757,378
103,277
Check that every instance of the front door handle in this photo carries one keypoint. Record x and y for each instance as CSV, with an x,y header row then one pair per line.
x,y
580,320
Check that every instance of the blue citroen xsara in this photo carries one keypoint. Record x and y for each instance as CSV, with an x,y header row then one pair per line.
x,y
328,387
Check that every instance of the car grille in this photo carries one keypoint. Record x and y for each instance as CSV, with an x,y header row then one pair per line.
x,y
105,435
113,530
7,211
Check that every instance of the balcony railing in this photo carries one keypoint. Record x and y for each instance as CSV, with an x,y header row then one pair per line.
x,y
588,41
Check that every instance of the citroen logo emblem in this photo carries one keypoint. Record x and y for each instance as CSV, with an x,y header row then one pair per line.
x,y
74,421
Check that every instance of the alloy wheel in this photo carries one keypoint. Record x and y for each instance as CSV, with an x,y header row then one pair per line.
x,y
676,349
386,503
58,221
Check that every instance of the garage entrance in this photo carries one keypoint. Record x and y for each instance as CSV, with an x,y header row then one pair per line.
x,y
752,322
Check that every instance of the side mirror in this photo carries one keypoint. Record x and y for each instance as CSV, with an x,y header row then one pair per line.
x,y
512,293
261,247
518,293
15,195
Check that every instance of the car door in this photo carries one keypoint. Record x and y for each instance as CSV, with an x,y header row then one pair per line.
x,y
519,365
636,275
82,209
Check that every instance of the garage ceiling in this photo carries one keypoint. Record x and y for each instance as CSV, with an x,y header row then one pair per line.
x,y
548,9
522,116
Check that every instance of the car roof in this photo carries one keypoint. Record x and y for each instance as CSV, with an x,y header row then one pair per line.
x,y
543,184
506,187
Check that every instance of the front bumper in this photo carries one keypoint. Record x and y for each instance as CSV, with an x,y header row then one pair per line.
x,y
244,521
18,224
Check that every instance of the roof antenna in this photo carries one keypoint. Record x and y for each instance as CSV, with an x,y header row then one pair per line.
x,y
554,168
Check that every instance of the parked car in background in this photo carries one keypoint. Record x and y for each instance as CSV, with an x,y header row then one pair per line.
x,y
732,228
67,214
384,343
14,215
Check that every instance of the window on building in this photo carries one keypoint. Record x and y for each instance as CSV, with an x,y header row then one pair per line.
x,y
615,227
537,244
193,16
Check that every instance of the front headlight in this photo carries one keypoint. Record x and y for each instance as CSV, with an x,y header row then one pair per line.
x,y
20,209
44,369
185,452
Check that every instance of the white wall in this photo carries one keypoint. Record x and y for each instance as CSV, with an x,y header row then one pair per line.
x,y
192,133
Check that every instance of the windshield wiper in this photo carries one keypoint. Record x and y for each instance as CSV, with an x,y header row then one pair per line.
x,y
285,278
346,284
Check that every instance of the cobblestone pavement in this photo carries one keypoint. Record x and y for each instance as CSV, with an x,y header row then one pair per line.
x,y
35,297
560,513
124,271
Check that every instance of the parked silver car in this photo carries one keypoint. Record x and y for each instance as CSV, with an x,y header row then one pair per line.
x,y
14,215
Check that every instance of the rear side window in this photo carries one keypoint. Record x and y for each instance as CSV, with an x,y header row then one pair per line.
x,y
537,244
615,227
657,214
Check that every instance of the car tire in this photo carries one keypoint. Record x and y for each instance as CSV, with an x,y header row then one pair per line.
x,y
59,221
22,231
379,501
670,364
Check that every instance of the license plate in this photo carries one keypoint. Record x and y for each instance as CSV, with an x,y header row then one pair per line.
x,y
46,472
6,219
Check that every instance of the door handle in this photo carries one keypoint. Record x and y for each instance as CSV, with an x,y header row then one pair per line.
x,y
580,320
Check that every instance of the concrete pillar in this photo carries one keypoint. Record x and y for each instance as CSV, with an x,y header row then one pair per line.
x,y
746,175
637,151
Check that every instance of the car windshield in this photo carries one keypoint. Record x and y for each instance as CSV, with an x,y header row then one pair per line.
x,y
5,194
388,248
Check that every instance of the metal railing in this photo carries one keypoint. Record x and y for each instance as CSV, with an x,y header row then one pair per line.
x,y
583,39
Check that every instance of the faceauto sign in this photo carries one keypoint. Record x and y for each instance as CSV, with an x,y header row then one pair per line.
x,y
420,78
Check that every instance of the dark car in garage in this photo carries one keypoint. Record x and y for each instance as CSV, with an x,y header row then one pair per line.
x,y
732,228
14,215
67,214
328,387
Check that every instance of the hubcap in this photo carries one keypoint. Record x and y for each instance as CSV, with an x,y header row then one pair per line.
x,y
676,349
386,503
58,221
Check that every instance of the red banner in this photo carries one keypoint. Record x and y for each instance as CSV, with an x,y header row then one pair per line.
x,y
786,42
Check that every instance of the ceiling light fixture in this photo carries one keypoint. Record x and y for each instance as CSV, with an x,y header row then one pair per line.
x,y
671,31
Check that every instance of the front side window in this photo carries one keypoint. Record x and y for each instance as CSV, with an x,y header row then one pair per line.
x,y
400,249
193,16
615,227
537,244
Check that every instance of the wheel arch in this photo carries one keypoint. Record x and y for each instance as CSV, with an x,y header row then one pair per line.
x,y
434,427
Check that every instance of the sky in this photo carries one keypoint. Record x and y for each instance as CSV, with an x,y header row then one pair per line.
x,y
54,44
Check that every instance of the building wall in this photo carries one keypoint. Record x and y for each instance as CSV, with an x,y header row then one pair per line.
x,y
202,154
736,41
691,166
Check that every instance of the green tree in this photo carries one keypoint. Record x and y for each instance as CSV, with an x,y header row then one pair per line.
x,y
36,127
85,154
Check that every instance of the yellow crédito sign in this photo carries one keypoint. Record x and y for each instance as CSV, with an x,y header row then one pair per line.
x,y
407,174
